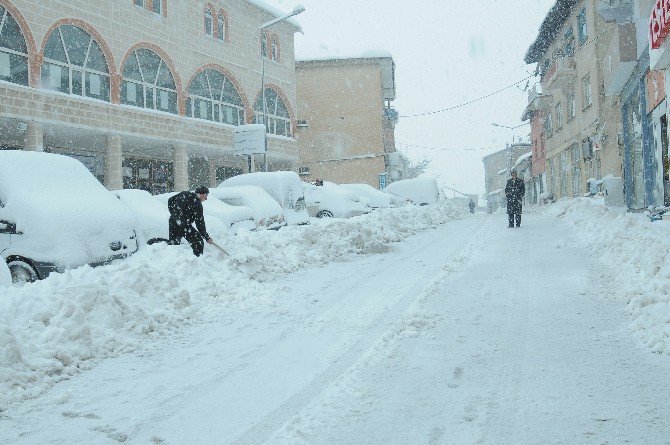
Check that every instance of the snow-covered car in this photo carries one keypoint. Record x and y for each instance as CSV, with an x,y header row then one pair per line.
x,y
218,213
371,196
420,191
332,201
285,187
267,212
55,215
5,275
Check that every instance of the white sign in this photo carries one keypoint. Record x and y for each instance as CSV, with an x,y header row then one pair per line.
x,y
249,139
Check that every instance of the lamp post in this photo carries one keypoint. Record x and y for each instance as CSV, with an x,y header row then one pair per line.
x,y
509,146
297,10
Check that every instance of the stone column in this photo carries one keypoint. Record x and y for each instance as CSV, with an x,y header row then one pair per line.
x,y
180,159
34,137
113,163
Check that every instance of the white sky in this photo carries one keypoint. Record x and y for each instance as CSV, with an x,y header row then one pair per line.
x,y
447,52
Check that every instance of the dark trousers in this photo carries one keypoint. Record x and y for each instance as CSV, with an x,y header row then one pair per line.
x,y
180,229
514,213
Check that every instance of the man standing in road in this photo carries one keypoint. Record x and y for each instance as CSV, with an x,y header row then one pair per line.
x,y
186,209
514,191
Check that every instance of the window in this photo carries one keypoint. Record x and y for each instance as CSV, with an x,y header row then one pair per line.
x,y
582,27
212,96
563,173
278,120
13,50
569,42
156,6
559,116
209,21
586,92
139,3
275,48
548,125
148,82
571,106
576,170
221,26
74,64
264,44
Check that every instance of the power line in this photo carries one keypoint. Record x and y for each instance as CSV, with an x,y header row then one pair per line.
x,y
471,101
402,144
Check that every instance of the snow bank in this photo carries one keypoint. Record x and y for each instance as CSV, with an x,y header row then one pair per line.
x,y
639,251
50,330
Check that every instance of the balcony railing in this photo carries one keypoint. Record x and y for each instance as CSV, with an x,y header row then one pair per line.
x,y
560,73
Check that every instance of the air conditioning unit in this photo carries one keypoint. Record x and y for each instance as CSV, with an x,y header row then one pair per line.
x,y
304,171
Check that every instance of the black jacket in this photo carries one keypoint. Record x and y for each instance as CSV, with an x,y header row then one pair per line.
x,y
186,206
515,189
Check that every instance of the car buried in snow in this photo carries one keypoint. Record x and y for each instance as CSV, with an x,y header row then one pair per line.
x,y
332,201
419,191
53,222
376,199
267,212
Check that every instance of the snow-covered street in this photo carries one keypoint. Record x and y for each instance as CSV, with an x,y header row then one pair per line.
x,y
464,333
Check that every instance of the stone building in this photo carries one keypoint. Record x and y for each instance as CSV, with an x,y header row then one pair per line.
x,y
346,123
146,93
580,119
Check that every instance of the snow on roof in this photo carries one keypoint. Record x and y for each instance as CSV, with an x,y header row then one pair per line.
x,y
369,54
550,29
523,157
274,11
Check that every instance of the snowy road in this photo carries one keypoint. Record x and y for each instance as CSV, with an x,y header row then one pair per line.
x,y
469,333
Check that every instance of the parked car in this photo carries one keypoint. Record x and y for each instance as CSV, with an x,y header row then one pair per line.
x,y
55,215
371,196
285,187
420,191
267,212
217,213
332,201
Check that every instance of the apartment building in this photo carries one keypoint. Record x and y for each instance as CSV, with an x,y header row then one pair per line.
x,y
346,126
579,124
146,93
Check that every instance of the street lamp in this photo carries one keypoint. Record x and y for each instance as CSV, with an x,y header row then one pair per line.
x,y
509,147
297,10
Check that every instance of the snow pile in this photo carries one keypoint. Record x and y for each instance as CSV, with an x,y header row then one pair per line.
x,y
642,247
51,329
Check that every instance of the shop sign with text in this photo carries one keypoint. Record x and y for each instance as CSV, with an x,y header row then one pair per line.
x,y
659,23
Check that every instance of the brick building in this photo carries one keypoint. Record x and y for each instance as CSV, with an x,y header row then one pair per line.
x,y
146,93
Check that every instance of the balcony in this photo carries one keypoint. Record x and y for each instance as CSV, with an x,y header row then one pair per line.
x,y
621,58
561,74
615,11
536,102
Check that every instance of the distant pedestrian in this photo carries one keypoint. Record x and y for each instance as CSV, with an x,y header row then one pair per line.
x,y
471,204
186,210
514,191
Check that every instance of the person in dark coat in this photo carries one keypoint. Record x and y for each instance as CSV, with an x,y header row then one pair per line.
x,y
471,204
514,191
185,210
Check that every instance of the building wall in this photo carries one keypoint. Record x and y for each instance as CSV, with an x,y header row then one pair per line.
x,y
178,36
342,104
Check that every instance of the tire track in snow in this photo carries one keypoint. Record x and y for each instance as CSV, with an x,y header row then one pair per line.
x,y
373,343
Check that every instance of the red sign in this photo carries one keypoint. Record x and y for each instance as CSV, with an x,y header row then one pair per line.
x,y
659,23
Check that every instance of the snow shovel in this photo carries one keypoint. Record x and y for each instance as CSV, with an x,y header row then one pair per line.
x,y
247,265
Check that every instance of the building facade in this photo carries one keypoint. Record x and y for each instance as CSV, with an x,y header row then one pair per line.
x,y
147,93
581,124
346,123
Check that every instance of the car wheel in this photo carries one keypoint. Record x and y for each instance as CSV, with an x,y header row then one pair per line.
x,y
324,214
22,271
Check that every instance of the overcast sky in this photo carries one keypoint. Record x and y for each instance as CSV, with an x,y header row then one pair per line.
x,y
447,52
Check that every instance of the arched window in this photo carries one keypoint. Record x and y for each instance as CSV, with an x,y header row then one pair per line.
x,y
148,82
275,48
221,26
13,50
74,64
213,96
278,120
264,44
209,21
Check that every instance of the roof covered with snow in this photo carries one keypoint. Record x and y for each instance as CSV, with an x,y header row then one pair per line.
x,y
549,29
274,11
370,54
523,157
